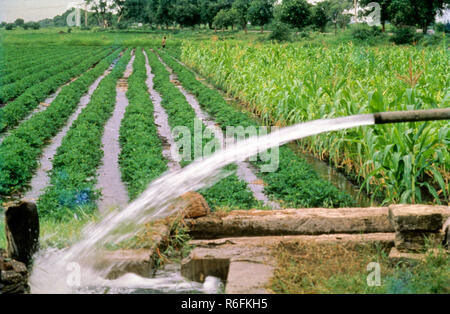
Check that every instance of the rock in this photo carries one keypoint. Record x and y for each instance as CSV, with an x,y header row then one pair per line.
x,y
247,263
306,221
260,275
13,276
446,230
197,269
22,231
114,264
417,217
396,257
194,205
416,241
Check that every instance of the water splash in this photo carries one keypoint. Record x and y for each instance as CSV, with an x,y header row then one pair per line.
x,y
159,200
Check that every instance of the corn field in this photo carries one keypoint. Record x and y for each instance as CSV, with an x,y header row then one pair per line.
x,y
288,84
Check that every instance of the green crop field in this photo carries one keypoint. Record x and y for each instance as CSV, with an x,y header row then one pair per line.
x,y
64,89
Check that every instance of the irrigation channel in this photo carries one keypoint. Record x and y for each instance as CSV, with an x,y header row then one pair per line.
x,y
41,179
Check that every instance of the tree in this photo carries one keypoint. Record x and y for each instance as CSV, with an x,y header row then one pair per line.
x,y
163,13
385,13
119,6
260,12
102,11
9,26
19,22
225,18
139,11
321,15
337,15
416,12
296,13
186,13
241,7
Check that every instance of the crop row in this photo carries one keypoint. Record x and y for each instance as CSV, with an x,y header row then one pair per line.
x,y
16,56
73,177
53,67
18,109
292,84
16,71
228,192
21,149
140,158
294,181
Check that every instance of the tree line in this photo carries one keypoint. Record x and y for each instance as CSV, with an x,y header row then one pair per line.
x,y
222,14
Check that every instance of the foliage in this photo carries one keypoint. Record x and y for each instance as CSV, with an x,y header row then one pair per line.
x,y
293,182
280,32
140,158
17,109
406,163
225,18
260,12
320,15
365,33
404,35
21,148
227,192
73,178
296,13
186,13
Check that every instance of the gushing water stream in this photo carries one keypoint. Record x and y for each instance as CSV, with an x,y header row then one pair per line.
x,y
160,200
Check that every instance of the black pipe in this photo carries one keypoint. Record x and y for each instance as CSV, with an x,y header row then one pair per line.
x,y
412,116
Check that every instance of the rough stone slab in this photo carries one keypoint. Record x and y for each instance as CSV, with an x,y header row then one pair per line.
x,y
249,278
418,217
416,240
397,257
446,230
252,257
117,263
114,264
308,221
197,269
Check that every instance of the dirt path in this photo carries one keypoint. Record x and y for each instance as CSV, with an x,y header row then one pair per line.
x,y
41,179
114,192
245,170
161,121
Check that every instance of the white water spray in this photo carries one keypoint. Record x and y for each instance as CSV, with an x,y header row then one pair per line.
x,y
159,200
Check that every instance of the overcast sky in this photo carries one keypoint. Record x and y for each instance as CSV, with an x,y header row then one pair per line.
x,y
32,10
35,10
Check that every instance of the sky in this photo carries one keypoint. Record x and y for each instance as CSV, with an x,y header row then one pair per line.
x,y
35,10
32,10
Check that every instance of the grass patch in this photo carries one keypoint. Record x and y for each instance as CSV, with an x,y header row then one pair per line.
x,y
342,268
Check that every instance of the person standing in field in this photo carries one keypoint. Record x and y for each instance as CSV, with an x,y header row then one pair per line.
x,y
164,42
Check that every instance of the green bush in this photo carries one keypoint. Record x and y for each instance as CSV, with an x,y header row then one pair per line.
x,y
281,32
9,26
364,32
431,40
404,35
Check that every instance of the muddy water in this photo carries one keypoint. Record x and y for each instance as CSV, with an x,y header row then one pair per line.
x,y
114,192
162,122
245,170
41,179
